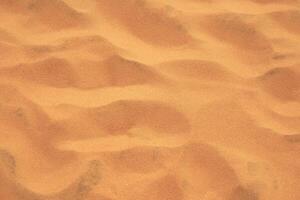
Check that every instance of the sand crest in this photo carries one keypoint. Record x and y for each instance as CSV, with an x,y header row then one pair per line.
x,y
149,100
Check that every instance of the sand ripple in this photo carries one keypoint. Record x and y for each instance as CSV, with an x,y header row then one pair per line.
x,y
149,100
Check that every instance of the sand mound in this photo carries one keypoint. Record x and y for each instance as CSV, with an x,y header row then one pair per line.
x,y
7,163
166,187
27,121
150,100
115,71
210,164
80,188
199,69
55,72
123,72
290,20
93,47
293,138
185,159
283,83
149,24
138,160
52,14
121,116
239,36
239,120
242,193
18,111
231,28
92,43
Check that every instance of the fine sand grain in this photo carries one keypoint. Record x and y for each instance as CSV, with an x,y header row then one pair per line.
x,y
149,100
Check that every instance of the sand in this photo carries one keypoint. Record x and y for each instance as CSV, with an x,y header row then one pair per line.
x,y
149,100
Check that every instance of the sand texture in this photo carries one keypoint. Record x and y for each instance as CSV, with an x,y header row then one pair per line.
x,y
150,100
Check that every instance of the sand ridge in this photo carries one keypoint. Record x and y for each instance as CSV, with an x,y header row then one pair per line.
x,y
149,100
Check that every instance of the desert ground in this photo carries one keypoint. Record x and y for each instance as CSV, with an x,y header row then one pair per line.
x,y
149,100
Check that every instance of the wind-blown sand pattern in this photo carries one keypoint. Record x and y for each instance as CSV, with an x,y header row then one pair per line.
x,y
149,100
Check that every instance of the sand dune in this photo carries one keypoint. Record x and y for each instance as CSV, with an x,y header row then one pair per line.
x,y
200,70
53,71
149,100
67,47
283,83
41,12
93,43
94,46
18,110
288,19
81,187
149,24
121,116
57,72
252,45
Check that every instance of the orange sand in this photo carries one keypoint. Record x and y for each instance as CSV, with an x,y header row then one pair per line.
x,y
149,100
